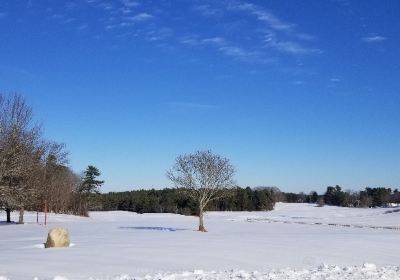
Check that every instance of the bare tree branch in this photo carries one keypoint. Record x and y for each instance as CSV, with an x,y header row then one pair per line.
x,y
203,176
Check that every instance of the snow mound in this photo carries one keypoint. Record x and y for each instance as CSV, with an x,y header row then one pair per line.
x,y
323,272
367,271
369,266
60,278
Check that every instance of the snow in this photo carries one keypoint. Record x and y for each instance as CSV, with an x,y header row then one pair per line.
x,y
295,241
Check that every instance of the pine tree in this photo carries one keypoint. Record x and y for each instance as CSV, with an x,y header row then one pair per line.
x,y
89,183
89,186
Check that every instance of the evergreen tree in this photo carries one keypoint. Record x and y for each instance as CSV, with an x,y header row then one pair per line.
x,y
90,184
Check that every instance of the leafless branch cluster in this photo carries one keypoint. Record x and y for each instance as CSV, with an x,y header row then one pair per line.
x,y
203,176
32,171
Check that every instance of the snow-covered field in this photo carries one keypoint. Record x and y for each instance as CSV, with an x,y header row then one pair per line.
x,y
295,241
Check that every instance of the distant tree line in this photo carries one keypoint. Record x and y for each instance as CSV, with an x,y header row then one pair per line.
x,y
369,197
173,201
34,172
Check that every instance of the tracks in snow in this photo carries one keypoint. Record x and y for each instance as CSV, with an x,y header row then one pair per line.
x,y
269,220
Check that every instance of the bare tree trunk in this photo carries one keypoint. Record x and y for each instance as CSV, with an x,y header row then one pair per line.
x,y
201,220
8,211
21,215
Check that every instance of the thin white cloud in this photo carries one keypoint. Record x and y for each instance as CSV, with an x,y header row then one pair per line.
x,y
242,54
279,34
82,27
333,82
305,37
245,31
126,10
129,3
290,47
298,82
140,17
374,39
105,6
214,40
69,20
195,40
111,26
190,40
226,48
262,15
208,10
159,34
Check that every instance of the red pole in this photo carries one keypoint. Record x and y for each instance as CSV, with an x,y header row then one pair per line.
x,y
45,212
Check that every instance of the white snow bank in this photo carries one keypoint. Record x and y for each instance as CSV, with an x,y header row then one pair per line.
x,y
323,272
367,271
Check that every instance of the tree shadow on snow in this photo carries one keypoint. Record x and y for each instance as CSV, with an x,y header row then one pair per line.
x,y
154,228
4,223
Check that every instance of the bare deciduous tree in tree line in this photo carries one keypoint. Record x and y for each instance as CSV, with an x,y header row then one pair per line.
x,y
203,176
31,170
19,152
58,181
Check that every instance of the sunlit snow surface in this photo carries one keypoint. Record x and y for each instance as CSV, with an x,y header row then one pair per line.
x,y
295,241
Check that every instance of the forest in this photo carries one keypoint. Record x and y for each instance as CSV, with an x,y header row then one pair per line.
x,y
171,200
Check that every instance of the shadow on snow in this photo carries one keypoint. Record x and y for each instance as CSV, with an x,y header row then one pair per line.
x,y
154,228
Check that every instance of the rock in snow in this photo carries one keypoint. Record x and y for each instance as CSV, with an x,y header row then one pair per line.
x,y
57,237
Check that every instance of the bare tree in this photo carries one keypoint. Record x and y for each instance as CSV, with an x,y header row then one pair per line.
x,y
20,152
57,180
33,172
204,177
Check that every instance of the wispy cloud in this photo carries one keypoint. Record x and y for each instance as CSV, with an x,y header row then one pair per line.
x,y
244,55
159,34
69,20
227,48
82,27
130,3
374,39
298,82
333,82
190,40
291,47
141,17
261,14
208,10
243,31
278,34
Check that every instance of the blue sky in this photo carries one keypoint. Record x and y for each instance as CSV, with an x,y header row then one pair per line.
x,y
297,94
